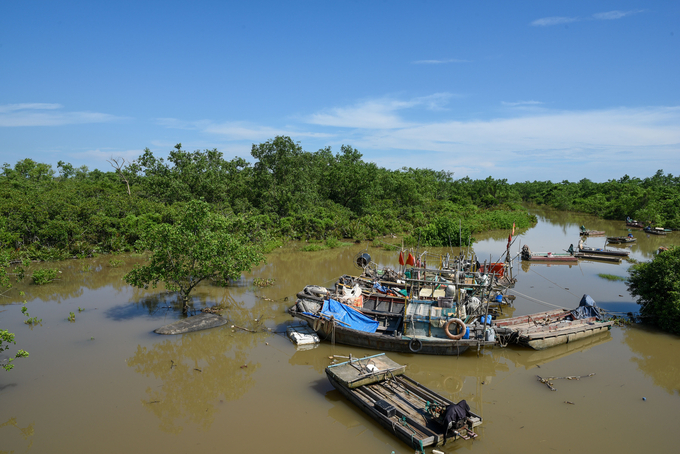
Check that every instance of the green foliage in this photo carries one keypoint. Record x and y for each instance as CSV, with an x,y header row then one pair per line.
x,y
71,317
611,277
7,338
653,199
262,282
44,276
199,244
114,263
656,285
29,320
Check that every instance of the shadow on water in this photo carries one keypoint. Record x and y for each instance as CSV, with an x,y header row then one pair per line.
x,y
650,348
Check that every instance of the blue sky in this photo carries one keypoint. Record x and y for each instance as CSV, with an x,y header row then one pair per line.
x,y
517,90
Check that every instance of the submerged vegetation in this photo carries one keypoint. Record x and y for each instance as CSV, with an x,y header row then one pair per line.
x,y
611,277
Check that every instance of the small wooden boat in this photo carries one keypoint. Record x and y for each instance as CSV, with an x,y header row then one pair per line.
x,y
655,230
606,252
635,225
600,258
593,233
621,239
547,256
419,416
547,329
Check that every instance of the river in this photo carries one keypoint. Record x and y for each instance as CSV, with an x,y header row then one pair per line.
x,y
106,383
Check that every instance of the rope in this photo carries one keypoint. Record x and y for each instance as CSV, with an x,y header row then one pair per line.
x,y
555,283
537,300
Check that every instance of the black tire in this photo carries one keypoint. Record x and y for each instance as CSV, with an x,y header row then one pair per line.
x,y
412,345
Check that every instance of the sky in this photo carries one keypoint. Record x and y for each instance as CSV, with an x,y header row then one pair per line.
x,y
531,90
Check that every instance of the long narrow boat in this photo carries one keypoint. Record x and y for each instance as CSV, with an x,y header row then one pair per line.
x,y
419,416
655,230
592,232
547,256
621,239
602,251
597,257
547,329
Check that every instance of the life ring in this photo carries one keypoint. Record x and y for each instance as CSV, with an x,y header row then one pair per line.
x,y
462,326
412,345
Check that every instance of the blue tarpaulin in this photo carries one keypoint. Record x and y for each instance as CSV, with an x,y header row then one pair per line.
x,y
587,308
351,317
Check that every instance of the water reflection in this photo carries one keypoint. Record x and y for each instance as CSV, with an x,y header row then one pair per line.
x,y
197,371
651,349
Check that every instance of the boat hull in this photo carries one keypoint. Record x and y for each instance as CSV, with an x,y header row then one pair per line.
x,y
329,331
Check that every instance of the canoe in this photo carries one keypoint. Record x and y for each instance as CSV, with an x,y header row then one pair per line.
x,y
620,239
655,230
593,233
418,416
384,327
601,258
547,329
550,257
635,224
601,251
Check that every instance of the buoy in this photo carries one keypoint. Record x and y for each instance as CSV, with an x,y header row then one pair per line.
x,y
644,398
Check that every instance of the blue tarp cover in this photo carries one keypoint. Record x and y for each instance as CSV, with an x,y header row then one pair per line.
x,y
587,308
345,314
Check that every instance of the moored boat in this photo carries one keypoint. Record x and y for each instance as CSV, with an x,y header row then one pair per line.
x,y
601,251
621,239
655,230
560,326
547,256
427,327
419,416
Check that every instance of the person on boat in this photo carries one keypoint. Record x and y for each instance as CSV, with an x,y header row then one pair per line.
x,y
583,229
571,249
581,243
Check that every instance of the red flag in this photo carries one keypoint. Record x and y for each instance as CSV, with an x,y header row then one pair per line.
x,y
410,260
401,258
513,229
509,240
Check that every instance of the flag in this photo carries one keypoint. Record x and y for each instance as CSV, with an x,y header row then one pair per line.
x,y
509,240
410,260
513,229
401,258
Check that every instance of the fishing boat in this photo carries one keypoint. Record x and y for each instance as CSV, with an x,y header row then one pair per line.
x,y
419,416
590,251
547,329
633,224
621,239
655,230
431,327
547,256
598,258
593,232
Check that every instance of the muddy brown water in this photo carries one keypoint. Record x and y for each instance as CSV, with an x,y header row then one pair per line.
x,y
106,383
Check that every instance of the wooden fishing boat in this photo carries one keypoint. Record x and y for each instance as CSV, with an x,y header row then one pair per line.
x,y
621,239
592,232
596,257
547,256
414,326
601,251
655,230
547,329
633,224
419,416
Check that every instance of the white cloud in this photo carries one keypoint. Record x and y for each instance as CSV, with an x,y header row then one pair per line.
x,y
377,113
40,114
521,103
439,62
548,21
237,130
609,15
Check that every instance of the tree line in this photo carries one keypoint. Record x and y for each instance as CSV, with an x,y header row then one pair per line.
x,y
651,200
287,193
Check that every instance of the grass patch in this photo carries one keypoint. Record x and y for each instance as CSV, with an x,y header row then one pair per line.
x,y
611,277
